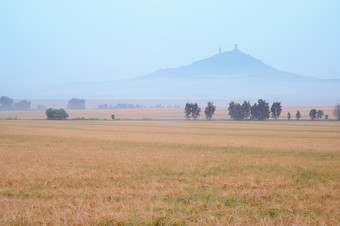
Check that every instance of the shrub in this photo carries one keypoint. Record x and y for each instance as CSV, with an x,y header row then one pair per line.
x,y
56,114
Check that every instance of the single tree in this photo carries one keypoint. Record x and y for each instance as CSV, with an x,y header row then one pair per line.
x,y
288,115
336,112
260,110
187,110
192,111
56,114
298,115
326,117
196,111
209,110
312,114
76,104
276,110
319,114
113,116
246,109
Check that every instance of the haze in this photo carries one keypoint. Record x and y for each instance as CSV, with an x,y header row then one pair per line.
x,y
49,42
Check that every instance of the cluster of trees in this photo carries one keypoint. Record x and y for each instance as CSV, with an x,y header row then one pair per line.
x,y
119,106
8,104
76,104
193,111
258,111
56,114
317,114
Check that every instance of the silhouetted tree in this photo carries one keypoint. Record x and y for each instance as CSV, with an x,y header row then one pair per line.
x,y
319,114
238,111
288,115
246,109
336,111
76,104
312,114
260,110
192,111
113,116
326,117
209,110
56,114
276,110
298,115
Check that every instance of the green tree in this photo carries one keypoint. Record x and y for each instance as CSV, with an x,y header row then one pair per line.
x,y
312,114
260,110
288,115
113,116
326,117
192,111
298,115
56,114
319,114
209,110
276,110
76,104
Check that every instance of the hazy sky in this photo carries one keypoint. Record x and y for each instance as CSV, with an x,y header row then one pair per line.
x,y
83,40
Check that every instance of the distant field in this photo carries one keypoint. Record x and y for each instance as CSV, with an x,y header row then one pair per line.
x,y
159,114
168,172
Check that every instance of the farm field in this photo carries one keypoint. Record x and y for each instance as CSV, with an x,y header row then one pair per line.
x,y
157,113
169,171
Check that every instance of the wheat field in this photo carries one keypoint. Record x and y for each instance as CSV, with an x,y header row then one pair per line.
x,y
169,171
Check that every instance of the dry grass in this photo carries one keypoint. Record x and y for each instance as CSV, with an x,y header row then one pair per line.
x,y
169,172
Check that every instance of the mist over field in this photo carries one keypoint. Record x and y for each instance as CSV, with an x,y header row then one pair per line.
x,y
139,50
229,75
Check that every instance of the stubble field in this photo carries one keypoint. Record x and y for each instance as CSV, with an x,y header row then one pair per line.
x,y
169,172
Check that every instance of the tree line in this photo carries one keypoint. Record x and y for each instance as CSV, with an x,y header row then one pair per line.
x,y
8,104
245,111
258,111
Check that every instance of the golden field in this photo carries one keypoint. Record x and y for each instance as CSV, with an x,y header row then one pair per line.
x,y
168,171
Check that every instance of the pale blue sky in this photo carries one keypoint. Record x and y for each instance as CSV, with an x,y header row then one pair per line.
x,y
83,40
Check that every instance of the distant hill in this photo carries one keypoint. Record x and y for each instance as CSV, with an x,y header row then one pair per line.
x,y
231,75
226,65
